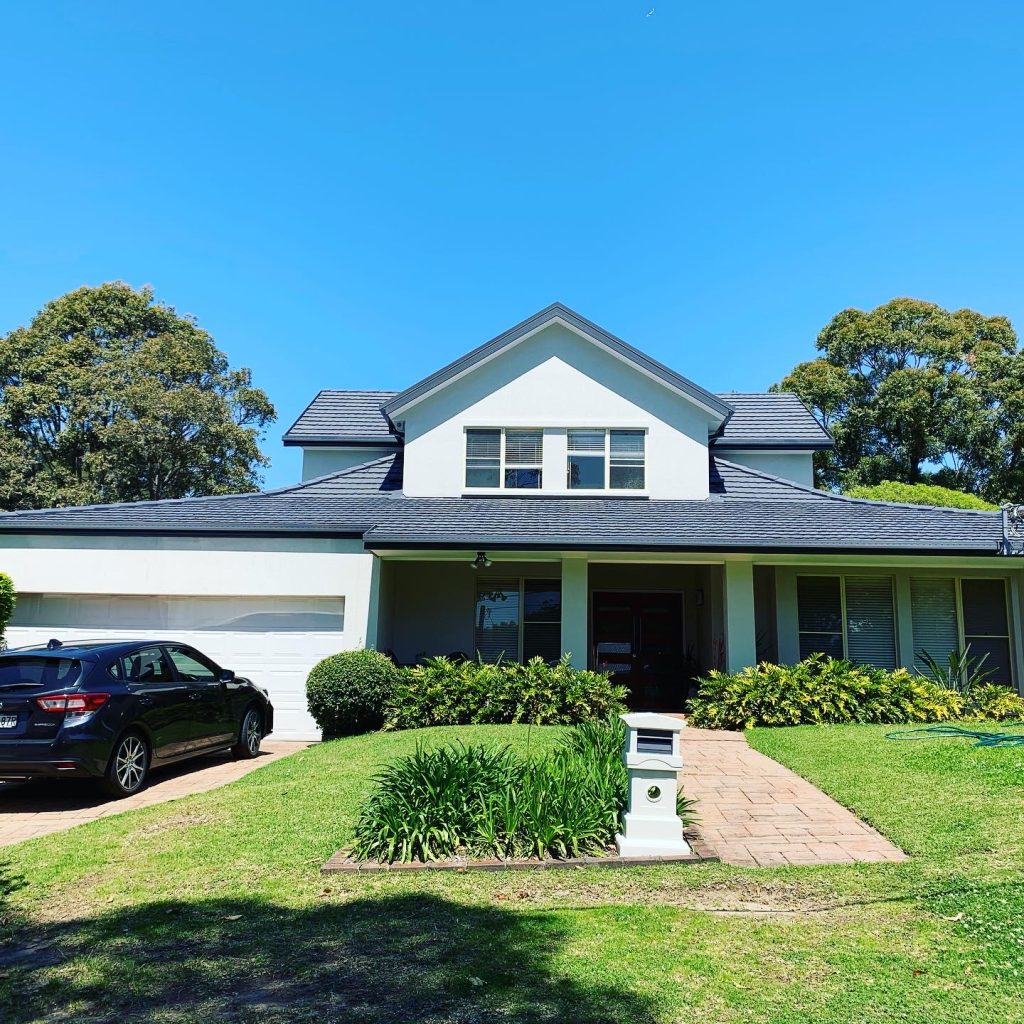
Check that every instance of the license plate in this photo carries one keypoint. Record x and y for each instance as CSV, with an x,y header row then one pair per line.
x,y
8,721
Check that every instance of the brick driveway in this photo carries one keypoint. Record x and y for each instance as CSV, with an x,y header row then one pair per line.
x,y
36,809
755,812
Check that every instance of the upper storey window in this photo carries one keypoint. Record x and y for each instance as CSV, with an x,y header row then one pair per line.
x,y
601,460
504,458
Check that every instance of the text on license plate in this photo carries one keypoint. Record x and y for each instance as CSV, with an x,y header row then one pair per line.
x,y
8,721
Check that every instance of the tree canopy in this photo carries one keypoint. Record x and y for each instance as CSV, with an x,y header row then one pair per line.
x,y
916,393
109,395
920,494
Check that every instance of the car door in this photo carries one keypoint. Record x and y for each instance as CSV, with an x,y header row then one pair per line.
x,y
210,717
163,702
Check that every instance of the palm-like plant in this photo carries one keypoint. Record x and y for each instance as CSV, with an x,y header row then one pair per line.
x,y
961,673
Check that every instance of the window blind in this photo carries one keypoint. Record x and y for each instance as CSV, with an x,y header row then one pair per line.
x,y
496,627
483,458
586,441
820,615
870,621
524,447
542,619
933,614
986,626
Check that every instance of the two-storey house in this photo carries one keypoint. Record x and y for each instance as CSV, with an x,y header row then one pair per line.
x,y
553,491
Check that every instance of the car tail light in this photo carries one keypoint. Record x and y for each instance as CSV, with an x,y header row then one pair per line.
x,y
73,704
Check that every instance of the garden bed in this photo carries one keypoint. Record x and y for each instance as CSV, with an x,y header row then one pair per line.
x,y
343,862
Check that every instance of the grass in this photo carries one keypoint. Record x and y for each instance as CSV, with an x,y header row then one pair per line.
x,y
212,908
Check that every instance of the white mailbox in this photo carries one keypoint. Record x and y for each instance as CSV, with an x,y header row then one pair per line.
x,y
651,826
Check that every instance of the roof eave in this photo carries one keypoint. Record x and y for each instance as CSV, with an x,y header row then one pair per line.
x,y
341,441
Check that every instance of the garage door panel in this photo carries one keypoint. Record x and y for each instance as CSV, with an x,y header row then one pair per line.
x,y
278,660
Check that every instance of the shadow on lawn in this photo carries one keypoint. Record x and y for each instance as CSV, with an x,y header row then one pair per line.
x,y
397,958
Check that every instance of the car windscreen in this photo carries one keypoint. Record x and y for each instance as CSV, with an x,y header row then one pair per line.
x,y
35,673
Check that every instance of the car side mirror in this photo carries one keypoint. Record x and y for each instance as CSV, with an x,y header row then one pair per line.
x,y
226,675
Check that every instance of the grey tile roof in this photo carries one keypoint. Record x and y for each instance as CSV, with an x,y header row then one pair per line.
x,y
759,421
747,511
558,311
352,416
770,420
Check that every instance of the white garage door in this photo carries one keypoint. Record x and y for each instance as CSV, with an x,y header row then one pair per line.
x,y
274,641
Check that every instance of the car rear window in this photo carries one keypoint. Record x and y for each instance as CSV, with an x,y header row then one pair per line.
x,y
44,672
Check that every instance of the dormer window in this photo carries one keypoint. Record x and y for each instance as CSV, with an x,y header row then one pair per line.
x,y
511,459
600,460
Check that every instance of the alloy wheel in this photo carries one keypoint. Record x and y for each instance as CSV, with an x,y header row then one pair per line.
x,y
251,734
130,763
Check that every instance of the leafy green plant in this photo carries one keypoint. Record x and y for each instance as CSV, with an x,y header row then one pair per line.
x,y
484,801
819,691
961,673
447,692
348,693
993,701
8,599
920,494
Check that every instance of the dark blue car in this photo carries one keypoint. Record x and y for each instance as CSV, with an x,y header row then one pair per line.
x,y
114,710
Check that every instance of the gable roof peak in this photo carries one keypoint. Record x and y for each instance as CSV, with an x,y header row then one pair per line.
x,y
558,311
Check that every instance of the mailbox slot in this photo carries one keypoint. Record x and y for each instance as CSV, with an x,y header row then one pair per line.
x,y
653,741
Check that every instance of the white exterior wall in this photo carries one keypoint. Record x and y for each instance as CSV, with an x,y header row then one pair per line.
x,y
795,466
321,461
556,380
210,567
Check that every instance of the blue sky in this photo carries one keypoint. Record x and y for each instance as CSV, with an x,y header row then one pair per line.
x,y
350,195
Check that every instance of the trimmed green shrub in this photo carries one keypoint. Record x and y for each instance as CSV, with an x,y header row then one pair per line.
x,y
920,494
348,693
819,691
993,701
481,801
447,692
8,599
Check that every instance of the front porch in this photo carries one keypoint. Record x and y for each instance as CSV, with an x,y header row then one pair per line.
x,y
659,620
655,625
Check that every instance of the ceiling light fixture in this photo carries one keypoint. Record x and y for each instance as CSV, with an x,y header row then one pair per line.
x,y
481,561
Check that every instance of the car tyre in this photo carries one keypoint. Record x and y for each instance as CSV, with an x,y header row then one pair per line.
x,y
128,770
250,736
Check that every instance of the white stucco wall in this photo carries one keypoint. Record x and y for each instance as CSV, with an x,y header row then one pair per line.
x,y
321,461
796,466
556,380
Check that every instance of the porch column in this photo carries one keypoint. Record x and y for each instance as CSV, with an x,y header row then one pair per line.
x,y
574,610
904,620
1017,626
740,630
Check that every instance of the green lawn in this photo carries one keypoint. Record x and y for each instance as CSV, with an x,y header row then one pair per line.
x,y
212,908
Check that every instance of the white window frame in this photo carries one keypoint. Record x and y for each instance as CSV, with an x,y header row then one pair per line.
x,y
502,463
607,488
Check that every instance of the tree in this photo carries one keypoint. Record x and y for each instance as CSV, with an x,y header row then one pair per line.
x,y
919,494
109,395
916,393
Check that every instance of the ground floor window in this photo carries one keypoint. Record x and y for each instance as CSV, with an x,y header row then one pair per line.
x,y
949,614
848,617
518,618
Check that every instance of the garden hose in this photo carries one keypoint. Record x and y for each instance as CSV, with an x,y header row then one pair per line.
x,y
982,739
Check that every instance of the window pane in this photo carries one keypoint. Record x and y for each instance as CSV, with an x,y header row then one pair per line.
x,y
626,478
542,601
522,477
627,445
586,440
148,666
497,620
482,476
820,609
189,667
933,615
984,607
830,644
820,615
524,447
998,660
586,472
870,621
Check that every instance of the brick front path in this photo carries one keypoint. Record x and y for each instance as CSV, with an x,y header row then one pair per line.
x,y
36,809
755,812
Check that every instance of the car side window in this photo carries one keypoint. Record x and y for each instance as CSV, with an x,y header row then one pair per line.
x,y
146,666
191,667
